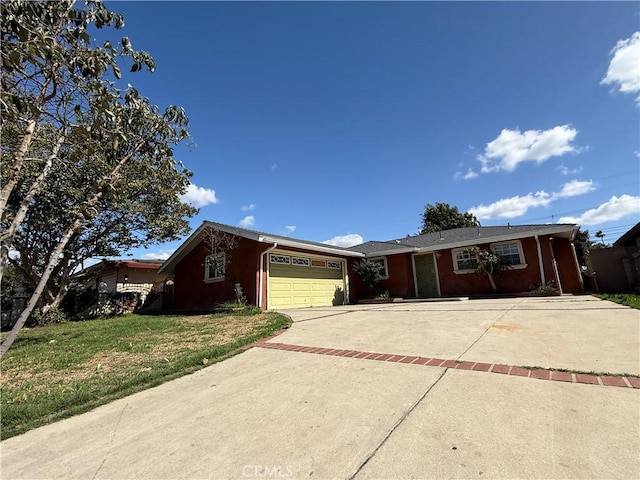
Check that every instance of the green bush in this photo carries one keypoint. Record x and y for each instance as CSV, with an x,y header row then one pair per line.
x,y
549,287
39,318
368,272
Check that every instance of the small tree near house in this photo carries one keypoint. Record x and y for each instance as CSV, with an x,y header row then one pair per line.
x,y
368,272
488,263
218,246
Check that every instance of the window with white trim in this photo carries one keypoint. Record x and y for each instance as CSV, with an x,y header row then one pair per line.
x,y
215,267
510,252
335,265
463,260
382,262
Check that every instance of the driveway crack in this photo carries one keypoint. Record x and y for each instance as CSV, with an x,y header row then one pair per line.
x,y
111,440
487,329
395,426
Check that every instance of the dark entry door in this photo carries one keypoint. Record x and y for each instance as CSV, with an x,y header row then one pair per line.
x,y
426,276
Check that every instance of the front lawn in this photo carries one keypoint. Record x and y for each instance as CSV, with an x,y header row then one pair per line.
x,y
629,299
60,370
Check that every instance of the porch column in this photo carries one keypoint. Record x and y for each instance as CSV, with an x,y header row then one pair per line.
x,y
555,265
540,264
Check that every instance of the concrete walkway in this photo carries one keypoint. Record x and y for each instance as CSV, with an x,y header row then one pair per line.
x,y
281,412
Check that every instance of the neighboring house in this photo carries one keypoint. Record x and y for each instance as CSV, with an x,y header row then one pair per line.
x,y
281,272
616,269
132,280
630,238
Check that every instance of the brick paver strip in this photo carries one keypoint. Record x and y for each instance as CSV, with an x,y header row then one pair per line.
x,y
395,358
372,356
435,362
408,359
482,367
352,354
634,381
361,355
539,373
521,372
449,364
561,376
613,381
465,365
500,369
585,378
421,361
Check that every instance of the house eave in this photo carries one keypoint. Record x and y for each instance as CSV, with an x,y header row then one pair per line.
x,y
503,238
194,239
565,230
305,246
395,251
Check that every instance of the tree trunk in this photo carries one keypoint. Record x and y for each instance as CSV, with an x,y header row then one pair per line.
x,y
18,161
62,292
53,260
7,236
492,281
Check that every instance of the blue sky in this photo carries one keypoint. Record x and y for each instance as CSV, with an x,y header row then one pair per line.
x,y
339,122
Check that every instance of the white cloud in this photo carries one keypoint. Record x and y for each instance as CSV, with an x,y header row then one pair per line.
x,y
199,196
519,205
624,69
513,147
613,209
248,208
273,167
575,188
290,228
465,176
161,255
564,170
247,221
512,207
345,240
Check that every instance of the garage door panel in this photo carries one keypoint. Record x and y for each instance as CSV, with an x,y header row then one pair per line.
x,y
293,286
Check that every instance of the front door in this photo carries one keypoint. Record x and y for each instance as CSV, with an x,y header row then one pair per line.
x,y
426,276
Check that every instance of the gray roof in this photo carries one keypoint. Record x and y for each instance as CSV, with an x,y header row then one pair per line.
x,y
629,237
458,237
461,237
268,238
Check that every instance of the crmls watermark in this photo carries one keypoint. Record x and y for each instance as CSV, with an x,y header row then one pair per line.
x,y
267,471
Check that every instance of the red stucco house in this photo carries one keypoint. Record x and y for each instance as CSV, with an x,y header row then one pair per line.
x,y
282,272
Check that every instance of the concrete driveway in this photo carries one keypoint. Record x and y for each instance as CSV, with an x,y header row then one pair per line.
x,y
407,390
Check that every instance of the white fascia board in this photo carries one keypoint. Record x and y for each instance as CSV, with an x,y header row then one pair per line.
x,y
305,246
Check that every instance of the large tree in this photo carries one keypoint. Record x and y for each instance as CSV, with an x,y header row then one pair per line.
x,y
87,167
443,216
582,243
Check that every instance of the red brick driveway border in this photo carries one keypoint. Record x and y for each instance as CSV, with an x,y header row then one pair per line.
x,y
537,373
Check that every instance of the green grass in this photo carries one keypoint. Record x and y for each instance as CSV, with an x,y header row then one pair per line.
x,y
60,370
629,299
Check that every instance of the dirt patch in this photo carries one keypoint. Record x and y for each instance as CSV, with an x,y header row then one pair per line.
x,y
509,328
